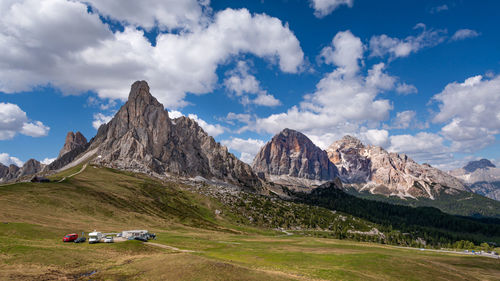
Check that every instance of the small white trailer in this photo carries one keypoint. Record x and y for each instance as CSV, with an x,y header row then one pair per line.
x,y
95,237
132,233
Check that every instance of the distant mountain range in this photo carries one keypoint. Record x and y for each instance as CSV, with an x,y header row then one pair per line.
x,y
482,177
290,157
142,137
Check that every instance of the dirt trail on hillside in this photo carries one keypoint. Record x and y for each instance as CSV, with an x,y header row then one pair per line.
x,y
81,170
169,247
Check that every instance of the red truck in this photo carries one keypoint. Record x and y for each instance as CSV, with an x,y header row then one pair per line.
x,y
70,237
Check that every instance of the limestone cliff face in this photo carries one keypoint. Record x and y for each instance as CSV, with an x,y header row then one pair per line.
x,y
142,137
292,154
73,140
373,169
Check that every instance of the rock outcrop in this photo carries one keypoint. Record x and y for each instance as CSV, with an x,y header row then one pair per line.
x,y
373,169
141,137
482,177
291,157
73,140
14,173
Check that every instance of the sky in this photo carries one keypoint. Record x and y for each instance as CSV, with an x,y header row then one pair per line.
x,y
416,77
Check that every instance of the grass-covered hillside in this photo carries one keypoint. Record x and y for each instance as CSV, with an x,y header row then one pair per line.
x,y
203,234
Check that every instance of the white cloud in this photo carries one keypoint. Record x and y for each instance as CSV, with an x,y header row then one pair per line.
x,y
244,118
36,129
164,14
465,33
211,129
406,89
470,110
376,137
382,45
422,147
47,161
323,8
38,47
403,119
13,120
174,114
378,79
266,100
438,9
345,52
248,148
345,102
7,160
244,85
100,119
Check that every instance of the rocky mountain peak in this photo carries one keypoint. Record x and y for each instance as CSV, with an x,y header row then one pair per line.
x,y
480,164
140,100
373,169
348,157
141,137
292,154
73,140
348,142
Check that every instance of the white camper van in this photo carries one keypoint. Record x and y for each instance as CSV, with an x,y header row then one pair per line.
x,y
95,237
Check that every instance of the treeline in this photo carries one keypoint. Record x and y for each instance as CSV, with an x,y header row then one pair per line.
x,y
428,223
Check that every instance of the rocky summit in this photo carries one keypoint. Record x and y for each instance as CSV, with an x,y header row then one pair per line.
x,y
291,157
141,137
373,169
73,140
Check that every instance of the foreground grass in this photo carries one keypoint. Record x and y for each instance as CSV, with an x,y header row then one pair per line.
x,y
34,217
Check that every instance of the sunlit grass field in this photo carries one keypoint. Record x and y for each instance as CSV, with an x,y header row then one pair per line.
x,y
34,217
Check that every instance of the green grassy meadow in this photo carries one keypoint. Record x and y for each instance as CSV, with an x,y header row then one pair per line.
x,y
35,216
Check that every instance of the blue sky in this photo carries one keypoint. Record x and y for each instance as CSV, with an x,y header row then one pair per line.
x,y
417,77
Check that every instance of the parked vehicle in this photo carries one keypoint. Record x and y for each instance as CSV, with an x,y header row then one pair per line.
x,y
70,237
139,238
108,239
95,237
80,240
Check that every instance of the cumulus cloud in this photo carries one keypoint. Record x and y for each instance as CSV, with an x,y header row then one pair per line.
x,y
345,52
38,47
470,111
406,89
7,160
211,129
403,119
100,119
382,45
164,14
376,137
13,120
465,33
244,85
323,8
344,102
175,114
422,147
248,148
